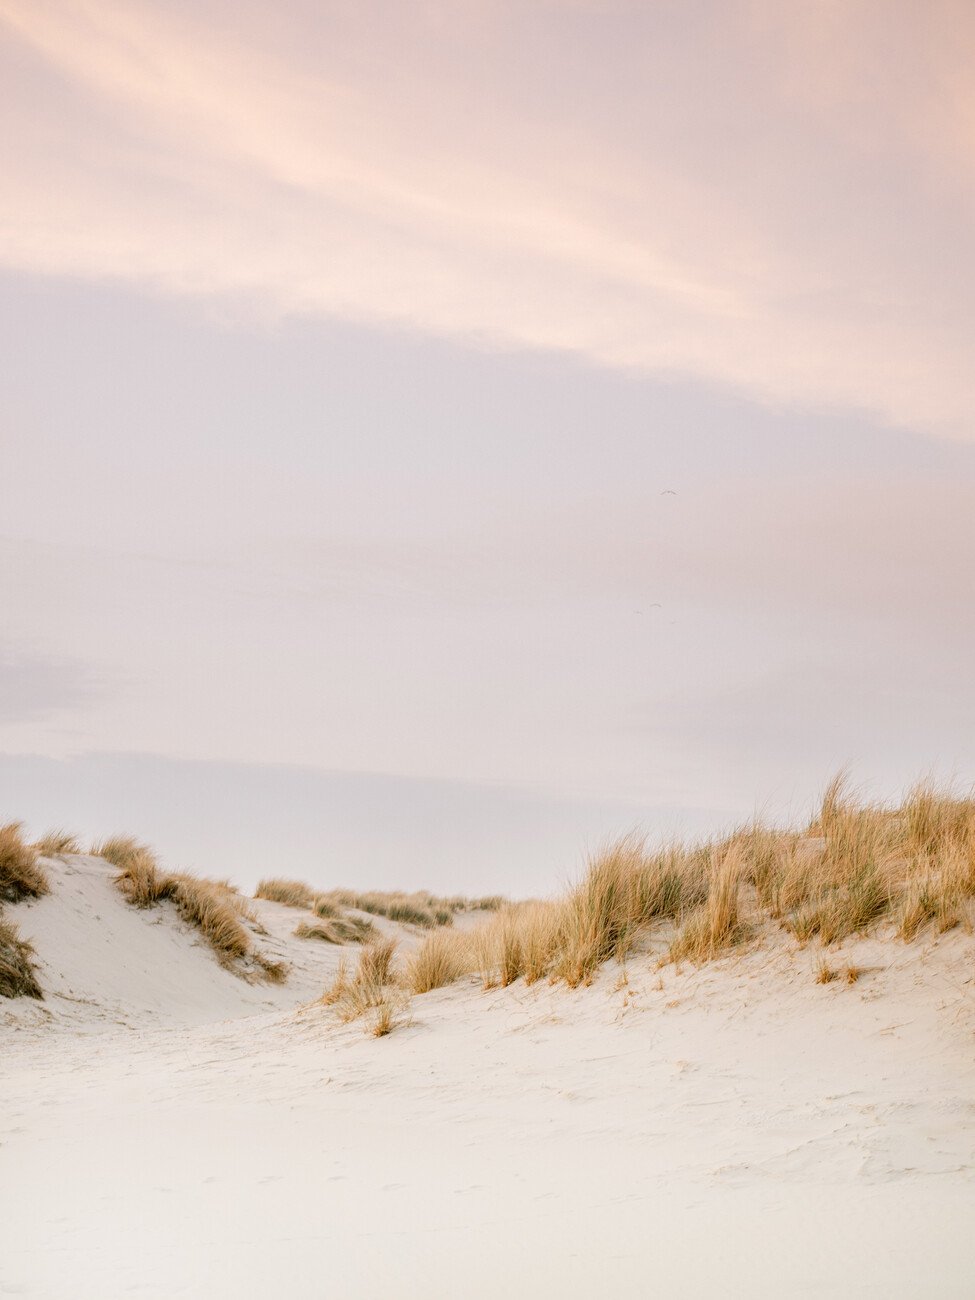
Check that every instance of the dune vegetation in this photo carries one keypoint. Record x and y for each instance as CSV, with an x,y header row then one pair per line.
x,y
857,867
56,843
18,976
333,908
292,893
214,906
336,929
898,870
21,876
419,908
371,987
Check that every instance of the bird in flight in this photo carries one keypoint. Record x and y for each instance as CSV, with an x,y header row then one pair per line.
x,y
668,492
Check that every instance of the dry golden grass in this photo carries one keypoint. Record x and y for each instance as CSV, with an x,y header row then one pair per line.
x,y
420,908
340,982
332,926
407,909
929,898
293,893
56,843
520,942
336,929
274,972
856,867
207,906
440,959
825,974
352,995
384,1021
139,877
852,973
18,977
717,923
376,961
21,875
214,907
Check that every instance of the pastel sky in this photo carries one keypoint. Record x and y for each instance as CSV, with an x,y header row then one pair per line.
x,y
437,437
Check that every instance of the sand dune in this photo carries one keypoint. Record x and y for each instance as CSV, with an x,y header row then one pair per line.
x,y
171,1129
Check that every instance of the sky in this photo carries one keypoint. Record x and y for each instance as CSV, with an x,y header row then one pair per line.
x,y
439,437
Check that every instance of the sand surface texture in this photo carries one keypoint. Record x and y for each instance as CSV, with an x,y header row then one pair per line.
x,y
169,1129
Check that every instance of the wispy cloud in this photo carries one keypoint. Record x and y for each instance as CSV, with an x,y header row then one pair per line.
x,y
773,196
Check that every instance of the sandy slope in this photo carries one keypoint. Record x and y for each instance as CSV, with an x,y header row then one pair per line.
x,y
737,1130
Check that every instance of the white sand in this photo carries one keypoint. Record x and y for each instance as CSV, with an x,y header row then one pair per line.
x,y
169,1130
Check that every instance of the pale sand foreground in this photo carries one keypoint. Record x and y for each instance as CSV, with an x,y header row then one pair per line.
x,y
169,1130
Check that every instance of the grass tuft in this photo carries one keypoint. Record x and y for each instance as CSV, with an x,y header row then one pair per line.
x,y
293,893
214,907
56,843
18,977
21,875
825,974
440,959
385,1019
337,929
353,995
422,909
716,925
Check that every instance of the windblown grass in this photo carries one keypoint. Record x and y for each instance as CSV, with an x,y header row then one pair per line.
x,y
293,893
352,995
21,875
857,867
420,908
717,924
18,976
385,1019
440,959
825,974
520,942
336,929
407,909
214,907
56,843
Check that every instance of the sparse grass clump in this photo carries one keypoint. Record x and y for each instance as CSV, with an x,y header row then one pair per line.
x,y
407,909
211,909
293,893
139,877
857,866
214,907
441,959
929,898
56,843
352,995
21,875
336,929
376,961
384,1021
18,978
825,974
420,908
717,924
521,941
